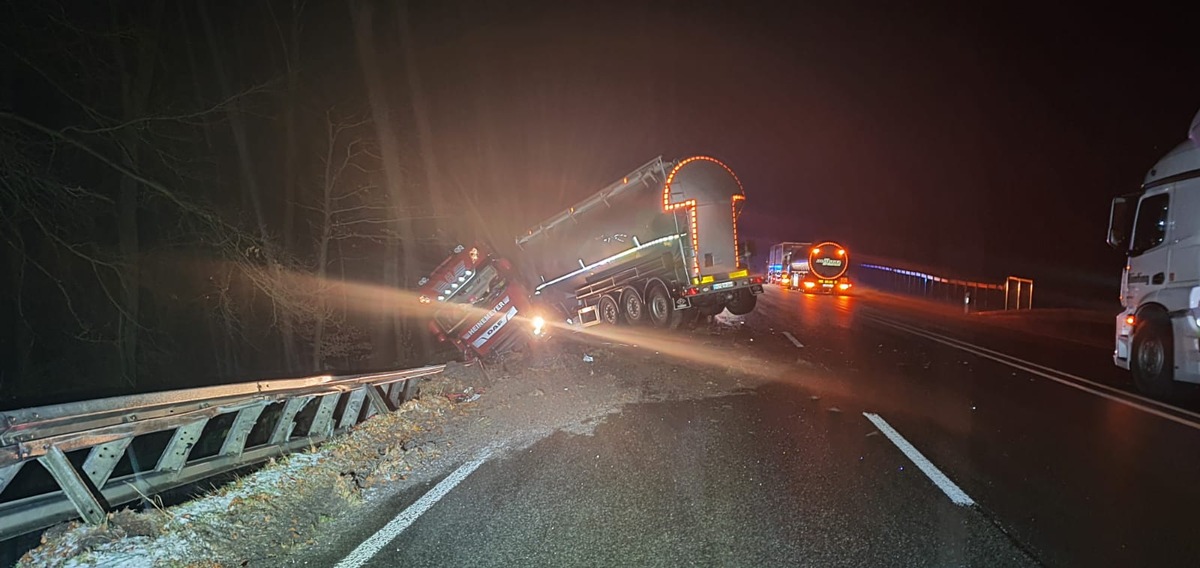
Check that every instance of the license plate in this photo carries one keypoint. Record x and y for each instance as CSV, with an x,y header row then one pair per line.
x,y
722,285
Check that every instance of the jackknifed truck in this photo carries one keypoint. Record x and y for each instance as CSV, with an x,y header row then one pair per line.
x,y
658,247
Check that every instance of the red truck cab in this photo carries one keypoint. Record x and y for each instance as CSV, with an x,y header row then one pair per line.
x,y
479,304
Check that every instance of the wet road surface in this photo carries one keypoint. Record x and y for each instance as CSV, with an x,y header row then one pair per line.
x,y
1062,466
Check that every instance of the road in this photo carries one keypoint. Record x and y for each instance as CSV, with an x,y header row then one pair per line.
x,y
1057,464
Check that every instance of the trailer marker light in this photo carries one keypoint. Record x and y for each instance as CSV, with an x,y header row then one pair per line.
x,y
424,299
809,284
844,286
690,206
441,298
1130,319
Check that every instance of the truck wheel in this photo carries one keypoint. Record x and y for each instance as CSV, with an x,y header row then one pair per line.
x,y
632,307
1153,358
661,309
610,314
742,303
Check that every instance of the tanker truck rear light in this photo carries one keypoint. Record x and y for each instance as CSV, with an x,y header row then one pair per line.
x,y
756,280
841,252
424,299
1129,320
844,286
809,284
691,291
816,250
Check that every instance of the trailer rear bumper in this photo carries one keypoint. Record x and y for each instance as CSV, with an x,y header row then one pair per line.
x,y
720,292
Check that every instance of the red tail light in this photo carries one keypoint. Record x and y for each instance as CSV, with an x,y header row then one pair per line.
x,y
756,280
691,291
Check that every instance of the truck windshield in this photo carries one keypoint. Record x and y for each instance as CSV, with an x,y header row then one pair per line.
x,y
477,291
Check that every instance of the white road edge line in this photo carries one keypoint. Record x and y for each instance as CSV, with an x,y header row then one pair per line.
x,y
954,492
370,547
958,344
965,345
793,339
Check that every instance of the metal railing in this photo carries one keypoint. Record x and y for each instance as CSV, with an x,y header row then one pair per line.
x,y
1014,293
94,450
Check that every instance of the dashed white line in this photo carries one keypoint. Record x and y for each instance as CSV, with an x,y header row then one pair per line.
x,y
954,492
390,531
793,339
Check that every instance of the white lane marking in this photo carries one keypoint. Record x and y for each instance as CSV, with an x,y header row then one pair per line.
x,y
793,339
1067,379
954,492
390,531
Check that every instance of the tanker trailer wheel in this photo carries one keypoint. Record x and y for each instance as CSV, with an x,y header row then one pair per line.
x,y
1153,358
610,313
742,303
662,310
632,306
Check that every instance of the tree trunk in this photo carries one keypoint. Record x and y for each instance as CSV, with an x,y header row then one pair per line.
x,y
250,183
433,185
389,143
135,93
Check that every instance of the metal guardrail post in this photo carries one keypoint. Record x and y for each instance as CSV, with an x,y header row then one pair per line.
x,y
180,446
8,472
235,441
103,459
353,407
73,485
322,423
378,402
287,419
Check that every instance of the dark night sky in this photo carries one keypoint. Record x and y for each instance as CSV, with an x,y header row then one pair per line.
x,y
987,139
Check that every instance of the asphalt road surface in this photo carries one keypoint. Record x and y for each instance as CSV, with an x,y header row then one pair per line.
x,y
916,439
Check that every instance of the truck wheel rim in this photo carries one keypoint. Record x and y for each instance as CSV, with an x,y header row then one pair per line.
x,y
633,308
610,312
1150,357
659,307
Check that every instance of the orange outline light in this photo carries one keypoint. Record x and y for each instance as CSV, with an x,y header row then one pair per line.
x,y
690,205
841,251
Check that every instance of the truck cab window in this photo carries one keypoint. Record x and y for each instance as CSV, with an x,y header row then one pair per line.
x,y
1150,229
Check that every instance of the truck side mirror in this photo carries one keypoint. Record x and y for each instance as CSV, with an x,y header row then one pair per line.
x,y
1120,217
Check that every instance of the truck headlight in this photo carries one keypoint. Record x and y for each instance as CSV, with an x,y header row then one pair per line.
x,y
539,323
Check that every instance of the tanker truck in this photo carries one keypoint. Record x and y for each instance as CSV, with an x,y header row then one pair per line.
x,y
659,246
828,263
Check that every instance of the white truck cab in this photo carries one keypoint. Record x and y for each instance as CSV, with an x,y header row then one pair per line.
x,y
1158,228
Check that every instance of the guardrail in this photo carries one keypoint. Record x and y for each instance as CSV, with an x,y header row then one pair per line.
x,y
107,452
1015,293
